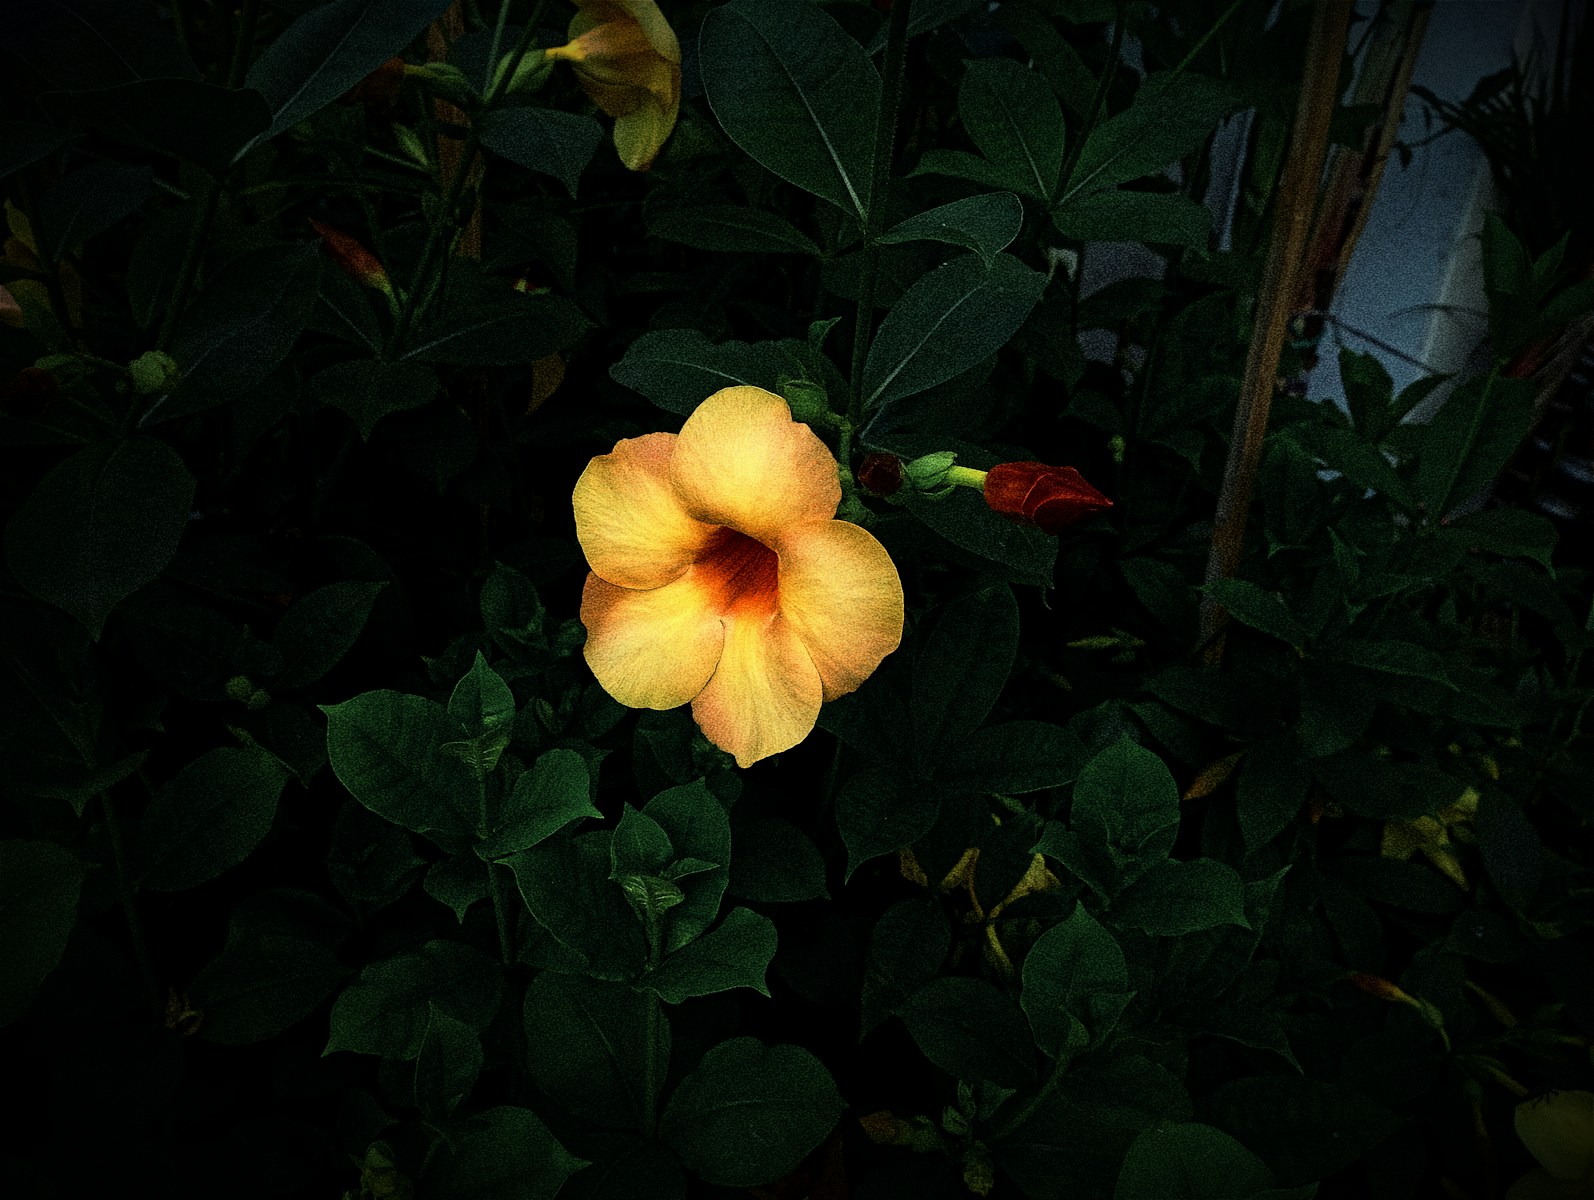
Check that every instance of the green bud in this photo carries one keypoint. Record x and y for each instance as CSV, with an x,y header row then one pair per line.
x,y
530,73
928,472
240,688
153,372
447,81
809,403
411,144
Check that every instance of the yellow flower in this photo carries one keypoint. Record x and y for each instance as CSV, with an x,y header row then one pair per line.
x,y
627,59
1558,1130
720,577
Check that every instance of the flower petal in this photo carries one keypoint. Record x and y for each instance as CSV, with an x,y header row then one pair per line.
x,y
840,591
740,460
1558,1130
630,525
765,695
652,648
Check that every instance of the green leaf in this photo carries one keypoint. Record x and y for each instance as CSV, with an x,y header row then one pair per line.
x,y
565,882
731,228
369,389
698,828
776,863
1176,898
735,955
960,164
1389,657
796,93
1512,852
188,119
1001,547
261,984
320,628
908,947
961,670
1013,117
23,142
1190,1162
209,817
506,1153
1271,790
750,1113
586,1046
1511,532
99,526
241,328
485,708
554,143
1248,1025
986,225
1169,117
1125,802
446,1068
1013,757
952,318
874,817
1361,462
386,748
678,368
386,1011
39,884
971,1031
639,846
1369,393
1158,218
1073,974
88,202
1286,1117
457,882
554,792
330,49
1470,439
1261,610
512,329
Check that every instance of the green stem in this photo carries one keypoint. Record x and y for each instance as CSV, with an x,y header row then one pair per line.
x,y
885,137
498,38
501,914
124,884
1097,99
652,1029
1027,1109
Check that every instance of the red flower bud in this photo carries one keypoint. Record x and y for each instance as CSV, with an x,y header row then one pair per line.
x,y
354,258
881,474
1033,493
382,85
29,392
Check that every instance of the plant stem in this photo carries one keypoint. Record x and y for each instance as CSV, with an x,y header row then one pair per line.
x,y
885,136
501,914
498,38
1292,219
652,1017
124,885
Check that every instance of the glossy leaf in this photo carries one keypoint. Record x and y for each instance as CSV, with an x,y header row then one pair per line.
x,y
986,225
1015,120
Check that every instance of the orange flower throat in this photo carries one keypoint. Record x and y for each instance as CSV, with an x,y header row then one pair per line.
x,y
741,574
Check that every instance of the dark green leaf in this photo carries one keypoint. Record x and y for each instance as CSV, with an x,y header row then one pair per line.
x,y
386,748
1190,1162
750,1112
556,791
1512,853
586,1046
1261,610
678,368
457,882
330,49
555,143
1285,1117
566,884
874,817
512,330
1126,802
1271,790
39,883
1369,393
1012,757
960,164
1119,216
320,628
1171,115
960,313
1072,975
386,1012
960,672
209,817
241,327
1012,551
89,201
735,955
261,984
971,1031
986,225
1512,532
100,526
796,93
446,1068
22,142
908,947
1175,898
775,863
1470,438
369,389
506,1153
188,119
1014,119
698,828
730,228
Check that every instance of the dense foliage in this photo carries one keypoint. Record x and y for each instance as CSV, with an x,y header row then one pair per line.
x,y
326,865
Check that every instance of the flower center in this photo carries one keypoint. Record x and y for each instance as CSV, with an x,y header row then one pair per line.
x,y
741,573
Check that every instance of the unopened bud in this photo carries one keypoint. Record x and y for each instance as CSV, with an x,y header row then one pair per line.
x,y
530,73
411,144
447,81
928,472
881,473
29,392
1050,498
153,372
357,262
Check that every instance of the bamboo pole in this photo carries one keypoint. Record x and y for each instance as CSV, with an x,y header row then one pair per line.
x,y
1295,203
